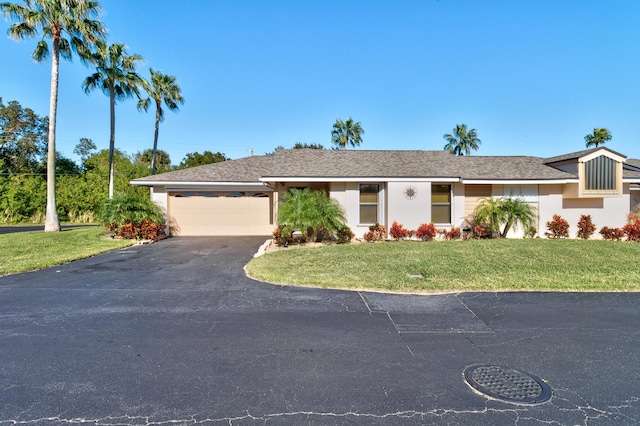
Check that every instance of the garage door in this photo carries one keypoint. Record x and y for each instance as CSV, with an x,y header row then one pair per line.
x,y
220,213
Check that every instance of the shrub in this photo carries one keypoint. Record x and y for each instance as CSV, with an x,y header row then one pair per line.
x,y
371,237
313,213
632,230
557,228
615,234
127,231
376,232
500,214
149,230
131,217
452,234
124,208
282,236
480,231
426,232
398,232
344,234
586,228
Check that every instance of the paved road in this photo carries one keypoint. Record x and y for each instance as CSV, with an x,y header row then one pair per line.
x,y
28,228
174,333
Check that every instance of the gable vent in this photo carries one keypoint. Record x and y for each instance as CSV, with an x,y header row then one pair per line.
x,y
600,174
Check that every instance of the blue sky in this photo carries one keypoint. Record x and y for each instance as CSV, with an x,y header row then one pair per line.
x,y
532,77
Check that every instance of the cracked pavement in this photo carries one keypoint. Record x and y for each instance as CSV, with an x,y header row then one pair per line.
x,y
174,333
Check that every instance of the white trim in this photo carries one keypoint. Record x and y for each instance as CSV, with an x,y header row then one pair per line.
x,y
218,189
360,179
179,184
631,180
600,152
517,182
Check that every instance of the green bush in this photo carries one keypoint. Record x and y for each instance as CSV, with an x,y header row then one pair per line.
x,y
313,213
500,214
22,197
125,209
344,234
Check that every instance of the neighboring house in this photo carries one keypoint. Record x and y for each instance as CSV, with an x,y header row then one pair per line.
x,y
240,197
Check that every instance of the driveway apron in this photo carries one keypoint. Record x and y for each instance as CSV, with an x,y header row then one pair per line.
x,y
175,333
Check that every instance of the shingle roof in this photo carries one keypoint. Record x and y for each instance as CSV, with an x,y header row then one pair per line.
x,y
632,174
578,154
334,164
634,162
248,169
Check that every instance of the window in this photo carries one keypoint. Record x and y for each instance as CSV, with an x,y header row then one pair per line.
x,y
600,174
369,203
440,203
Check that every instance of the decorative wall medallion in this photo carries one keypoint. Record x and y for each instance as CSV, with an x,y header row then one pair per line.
x,y
410,192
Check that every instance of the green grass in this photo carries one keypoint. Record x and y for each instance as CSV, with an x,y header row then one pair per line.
x,y
445,266
28,251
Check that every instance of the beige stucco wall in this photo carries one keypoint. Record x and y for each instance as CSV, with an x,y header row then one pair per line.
x,y
348,195
457,205
394,206
611,211
159,196
410,213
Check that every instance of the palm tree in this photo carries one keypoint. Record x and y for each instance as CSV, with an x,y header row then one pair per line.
x,y
496,212
462,141
72,26
346,133
162,88
117,78
599,136
145,158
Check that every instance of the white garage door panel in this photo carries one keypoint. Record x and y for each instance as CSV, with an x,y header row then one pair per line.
x,y
221,215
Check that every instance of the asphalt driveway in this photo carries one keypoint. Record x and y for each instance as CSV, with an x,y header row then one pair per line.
x,y
175,333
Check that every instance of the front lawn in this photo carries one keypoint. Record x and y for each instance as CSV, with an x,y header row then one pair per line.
x,y
27,251
475,265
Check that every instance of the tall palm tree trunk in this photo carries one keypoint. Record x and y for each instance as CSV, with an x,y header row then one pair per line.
x,y
52,222
112,138
155,142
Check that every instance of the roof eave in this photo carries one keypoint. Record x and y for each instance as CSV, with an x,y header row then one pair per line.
x,y
357,179
518,181
176,184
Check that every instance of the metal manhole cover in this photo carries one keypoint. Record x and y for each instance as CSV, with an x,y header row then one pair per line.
x,y
507,384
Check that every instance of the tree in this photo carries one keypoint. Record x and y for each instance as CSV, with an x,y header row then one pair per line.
x,y
145,158
346,133
194,159
66,166
97,169
500,214
599,136
313,213
23,138
162,89
84,149
117,78
462,141
305,145
72,27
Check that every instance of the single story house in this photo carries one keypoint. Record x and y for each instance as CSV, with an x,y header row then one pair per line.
x,y
240,197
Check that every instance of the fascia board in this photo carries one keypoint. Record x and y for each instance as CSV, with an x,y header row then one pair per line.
x,y
518,181
613,155
182,184
358,179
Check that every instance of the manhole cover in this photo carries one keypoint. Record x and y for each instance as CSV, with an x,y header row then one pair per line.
x,y
507,384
